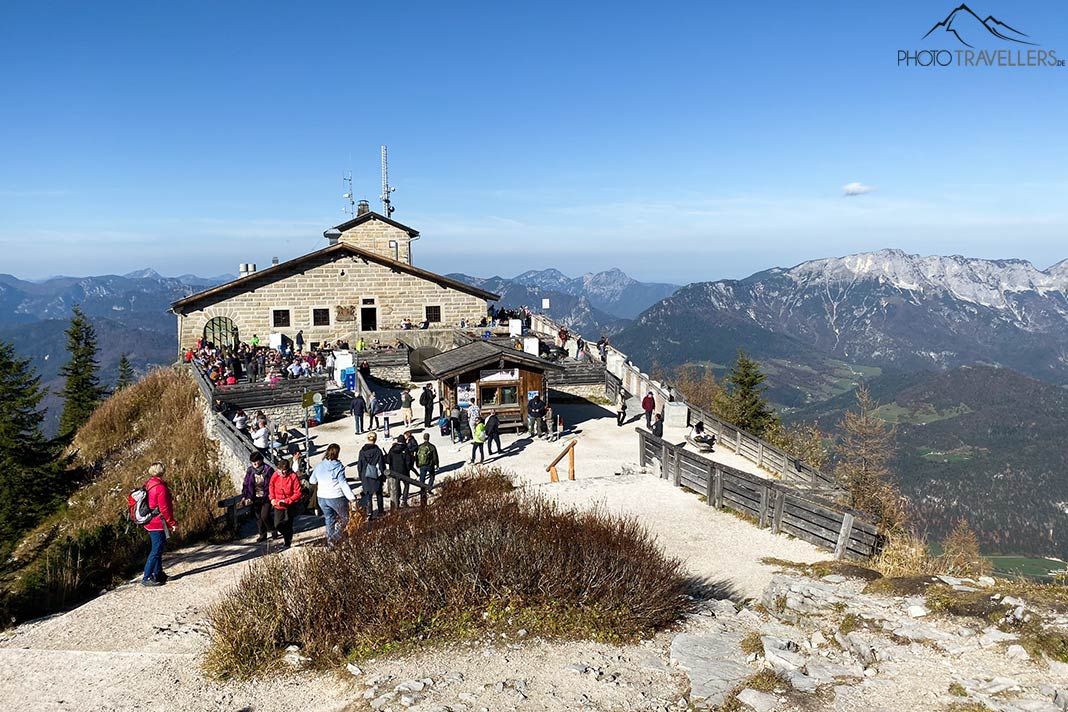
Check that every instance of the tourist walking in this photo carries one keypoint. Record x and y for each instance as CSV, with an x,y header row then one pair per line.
x,y
473,412
256,491
159,500
371,465
621,408
536,415
426,459
300,340
406,407
398,462
648,405
285,494
478,440
372,412
493,433
359,407
426,399
454,417
334,492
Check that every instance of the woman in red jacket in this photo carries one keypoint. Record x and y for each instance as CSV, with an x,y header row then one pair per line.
x,y
285,494
159,496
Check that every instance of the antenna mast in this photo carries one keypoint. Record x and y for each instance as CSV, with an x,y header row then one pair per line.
x,y
387,207
349,209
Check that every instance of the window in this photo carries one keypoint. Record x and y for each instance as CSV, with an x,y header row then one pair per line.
x,y
320,317
499,395
368,301
281,318
433,315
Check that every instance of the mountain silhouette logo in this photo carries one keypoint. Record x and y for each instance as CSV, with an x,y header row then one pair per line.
x,y
968,28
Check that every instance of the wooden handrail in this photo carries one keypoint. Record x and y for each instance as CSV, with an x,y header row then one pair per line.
x,y
568,450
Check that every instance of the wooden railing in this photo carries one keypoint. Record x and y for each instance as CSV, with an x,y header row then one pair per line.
x,y
764,454
568,450
770,504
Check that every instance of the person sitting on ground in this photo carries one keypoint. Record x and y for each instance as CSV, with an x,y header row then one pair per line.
x,y
700,438
333,492
285,494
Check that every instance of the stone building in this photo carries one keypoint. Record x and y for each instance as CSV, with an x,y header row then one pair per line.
x,y
362,284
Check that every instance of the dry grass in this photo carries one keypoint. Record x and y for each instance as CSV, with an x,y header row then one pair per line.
x,y
767,680
824,568
752,644
482,557
960,553
88,545
904,554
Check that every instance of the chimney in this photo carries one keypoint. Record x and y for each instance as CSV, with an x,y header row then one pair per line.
x,y
242,269
362,208
274,261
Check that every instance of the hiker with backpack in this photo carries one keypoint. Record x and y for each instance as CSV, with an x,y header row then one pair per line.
x,y
371,464
286,493
256,491
151,507
426,459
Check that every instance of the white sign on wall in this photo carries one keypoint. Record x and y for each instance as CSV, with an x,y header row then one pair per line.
x,y
499,374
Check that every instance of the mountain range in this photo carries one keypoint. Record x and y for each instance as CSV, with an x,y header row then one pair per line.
x,y
592,304
825,323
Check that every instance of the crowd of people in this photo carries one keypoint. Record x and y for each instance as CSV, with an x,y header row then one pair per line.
x,y
253,362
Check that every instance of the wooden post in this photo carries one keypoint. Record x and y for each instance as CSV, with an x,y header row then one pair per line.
x,y
737,441
664,454
764,506
641,449
677,479
717,488
760,454
776,517
843,536
552,474
571,462
710,487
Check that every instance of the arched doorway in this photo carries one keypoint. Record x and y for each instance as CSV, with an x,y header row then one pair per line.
x,y
221,331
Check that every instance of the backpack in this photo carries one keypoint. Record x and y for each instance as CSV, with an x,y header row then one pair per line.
x,y
424,455
139,511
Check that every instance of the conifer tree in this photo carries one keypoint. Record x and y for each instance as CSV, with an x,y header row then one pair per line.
x,y
864,450
81,392
32,480
126,373
749,409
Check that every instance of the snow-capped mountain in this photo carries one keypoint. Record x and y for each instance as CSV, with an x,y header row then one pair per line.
x,y
886,309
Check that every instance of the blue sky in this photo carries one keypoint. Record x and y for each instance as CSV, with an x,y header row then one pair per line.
x,y
678,141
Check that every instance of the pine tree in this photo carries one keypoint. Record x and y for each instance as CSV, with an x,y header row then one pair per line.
x,y
81,392
749,409
126,373
32,480
865,447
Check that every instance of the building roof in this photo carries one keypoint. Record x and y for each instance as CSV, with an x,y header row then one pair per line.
x,y
482,353
372,215
341,249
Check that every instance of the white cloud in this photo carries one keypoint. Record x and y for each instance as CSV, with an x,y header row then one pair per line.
x,y
855,188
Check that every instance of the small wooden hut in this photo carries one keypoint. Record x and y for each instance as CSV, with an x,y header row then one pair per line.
x,y
500,380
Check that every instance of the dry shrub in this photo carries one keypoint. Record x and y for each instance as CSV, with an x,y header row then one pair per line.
x,y
89,545
960,553
904,554
481,557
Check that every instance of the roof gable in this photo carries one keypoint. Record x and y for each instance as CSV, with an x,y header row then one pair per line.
x,y
372,215
482,353
333,252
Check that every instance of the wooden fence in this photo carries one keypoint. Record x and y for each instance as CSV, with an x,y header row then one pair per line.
x,y
612,385
770,504
576,373
765,455
251,396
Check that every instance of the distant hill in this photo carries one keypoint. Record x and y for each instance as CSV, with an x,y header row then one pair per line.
x,y
593,304
129,312
874,312
978,442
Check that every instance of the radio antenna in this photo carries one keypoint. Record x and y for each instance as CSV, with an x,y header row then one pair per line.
x,y
387,206
350,202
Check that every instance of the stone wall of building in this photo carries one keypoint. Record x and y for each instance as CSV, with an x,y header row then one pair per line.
x,y
339,284
375,236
